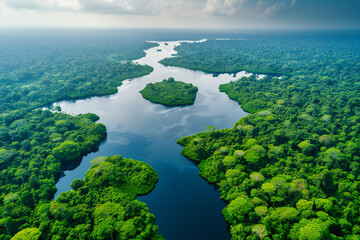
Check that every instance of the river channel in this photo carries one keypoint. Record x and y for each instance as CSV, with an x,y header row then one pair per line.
x,y
185,205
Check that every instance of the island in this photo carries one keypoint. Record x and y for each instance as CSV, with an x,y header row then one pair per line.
x,y
170,92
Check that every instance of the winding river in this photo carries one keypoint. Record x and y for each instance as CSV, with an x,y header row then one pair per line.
x,y
185,205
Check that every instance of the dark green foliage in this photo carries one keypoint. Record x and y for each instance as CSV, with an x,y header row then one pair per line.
x,y
294,163
30,165
104,206
170,92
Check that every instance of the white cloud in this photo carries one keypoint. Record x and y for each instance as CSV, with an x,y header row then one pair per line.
x,y
240,8
108,6
136,7
224,7
44,5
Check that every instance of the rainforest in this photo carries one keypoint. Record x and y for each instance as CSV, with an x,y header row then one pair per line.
x,y
257,136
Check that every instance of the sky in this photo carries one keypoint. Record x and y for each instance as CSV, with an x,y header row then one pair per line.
x,y
244,14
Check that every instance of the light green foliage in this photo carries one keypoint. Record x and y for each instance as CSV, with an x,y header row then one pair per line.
x,y
238,210
276,152
257,177
304,144
259,230
304,205
238,232
327,140
98,160
324,204
259,150
223,150
284,214
261,211
112,174
307,148
27,234
67,151
268,188
250,142
252,157
170,92
229,161
313,229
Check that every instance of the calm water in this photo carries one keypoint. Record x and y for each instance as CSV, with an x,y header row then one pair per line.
x,y
185,205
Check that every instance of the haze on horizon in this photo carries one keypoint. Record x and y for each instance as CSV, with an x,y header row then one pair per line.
x,y
251,14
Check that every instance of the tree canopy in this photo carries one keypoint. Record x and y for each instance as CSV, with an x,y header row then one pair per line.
x,y
302,136
170,92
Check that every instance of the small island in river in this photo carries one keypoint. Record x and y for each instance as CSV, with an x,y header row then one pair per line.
x,y
170,92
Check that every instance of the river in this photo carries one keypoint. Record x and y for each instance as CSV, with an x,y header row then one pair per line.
x,y
185,205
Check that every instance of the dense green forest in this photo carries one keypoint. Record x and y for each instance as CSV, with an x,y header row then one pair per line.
x,y
290,169
36,145
170,92
279,54
36,72
103,206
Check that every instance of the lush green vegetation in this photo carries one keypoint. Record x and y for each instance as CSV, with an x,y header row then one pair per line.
x,y
104,206
34,146
279,54
170,92
38,70
290,169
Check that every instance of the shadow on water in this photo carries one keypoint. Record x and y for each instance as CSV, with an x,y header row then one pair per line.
x,y
69,166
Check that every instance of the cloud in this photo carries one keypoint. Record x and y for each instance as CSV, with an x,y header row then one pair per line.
x,y
269,8
133,7
96,6
44,5
108,6
221,7
240,8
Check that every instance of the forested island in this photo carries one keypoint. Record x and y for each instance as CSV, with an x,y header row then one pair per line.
x,y
290,169
170,92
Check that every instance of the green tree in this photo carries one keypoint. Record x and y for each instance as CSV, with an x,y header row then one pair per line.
x,y
67,151
27,234
238,210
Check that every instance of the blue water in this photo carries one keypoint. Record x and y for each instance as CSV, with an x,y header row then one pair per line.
x,y
185,205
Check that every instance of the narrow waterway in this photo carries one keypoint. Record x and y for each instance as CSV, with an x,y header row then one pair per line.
x,y
185,205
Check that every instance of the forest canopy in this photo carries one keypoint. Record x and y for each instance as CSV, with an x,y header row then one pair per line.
x,y
35,73
37,145
170,92
288,170
34,148
104,205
